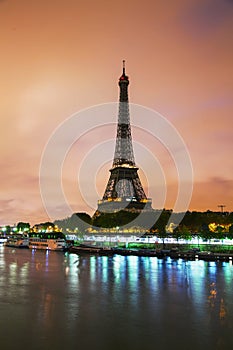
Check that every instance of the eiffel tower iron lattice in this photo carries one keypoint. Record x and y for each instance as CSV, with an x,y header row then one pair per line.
x,y
124,190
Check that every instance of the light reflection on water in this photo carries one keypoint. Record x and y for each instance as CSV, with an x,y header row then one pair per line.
x,y
66,300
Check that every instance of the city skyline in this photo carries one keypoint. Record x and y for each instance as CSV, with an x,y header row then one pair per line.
x,y
58,59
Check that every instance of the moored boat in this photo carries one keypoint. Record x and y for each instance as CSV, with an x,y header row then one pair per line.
x,y
3,239
47,243
17,242
91,249
51,241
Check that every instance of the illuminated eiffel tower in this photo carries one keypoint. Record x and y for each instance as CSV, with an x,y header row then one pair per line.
x,y
124,190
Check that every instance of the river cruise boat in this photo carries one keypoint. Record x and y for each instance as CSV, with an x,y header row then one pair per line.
x,y
54,241
17,242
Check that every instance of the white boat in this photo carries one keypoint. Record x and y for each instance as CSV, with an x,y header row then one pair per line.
x,y
17,242
3,239
47,243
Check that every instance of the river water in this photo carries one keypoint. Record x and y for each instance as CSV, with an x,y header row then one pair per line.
x,y
54,300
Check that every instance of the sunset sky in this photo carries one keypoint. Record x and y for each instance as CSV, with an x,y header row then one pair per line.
x,y
59,57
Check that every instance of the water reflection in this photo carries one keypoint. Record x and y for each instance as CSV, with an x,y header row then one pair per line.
x,y
89,300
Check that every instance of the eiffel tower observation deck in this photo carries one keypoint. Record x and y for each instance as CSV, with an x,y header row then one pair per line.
x,y
124,190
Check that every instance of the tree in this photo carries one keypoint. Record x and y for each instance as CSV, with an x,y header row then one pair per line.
x,y
120,218
182,232
206,234
23,226
76,222
8,229
161,224
230,233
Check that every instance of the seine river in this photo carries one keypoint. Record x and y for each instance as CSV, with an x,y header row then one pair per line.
x,y
54,300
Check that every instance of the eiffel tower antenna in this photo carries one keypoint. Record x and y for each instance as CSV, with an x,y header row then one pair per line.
x,y
124,190
123,67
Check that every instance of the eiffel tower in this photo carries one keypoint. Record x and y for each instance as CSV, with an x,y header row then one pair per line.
x,y
124,190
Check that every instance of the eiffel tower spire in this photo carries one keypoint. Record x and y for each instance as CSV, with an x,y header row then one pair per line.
x,y
124,190
124,149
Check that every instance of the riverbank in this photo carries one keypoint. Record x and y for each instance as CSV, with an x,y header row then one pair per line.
x,y
183,252
184,247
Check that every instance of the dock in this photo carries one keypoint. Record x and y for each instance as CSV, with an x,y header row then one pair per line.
x,y
159,253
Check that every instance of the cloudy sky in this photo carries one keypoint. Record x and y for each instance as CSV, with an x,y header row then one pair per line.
x,y
60,57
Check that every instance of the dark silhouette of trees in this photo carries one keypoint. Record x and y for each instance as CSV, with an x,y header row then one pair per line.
x,y
43,226
154,222
182,232
78,222
161,224
23,226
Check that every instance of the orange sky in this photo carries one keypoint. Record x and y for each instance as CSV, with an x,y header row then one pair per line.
x,y
59,57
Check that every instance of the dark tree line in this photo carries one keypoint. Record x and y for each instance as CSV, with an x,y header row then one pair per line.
x,y
79,222
154,222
